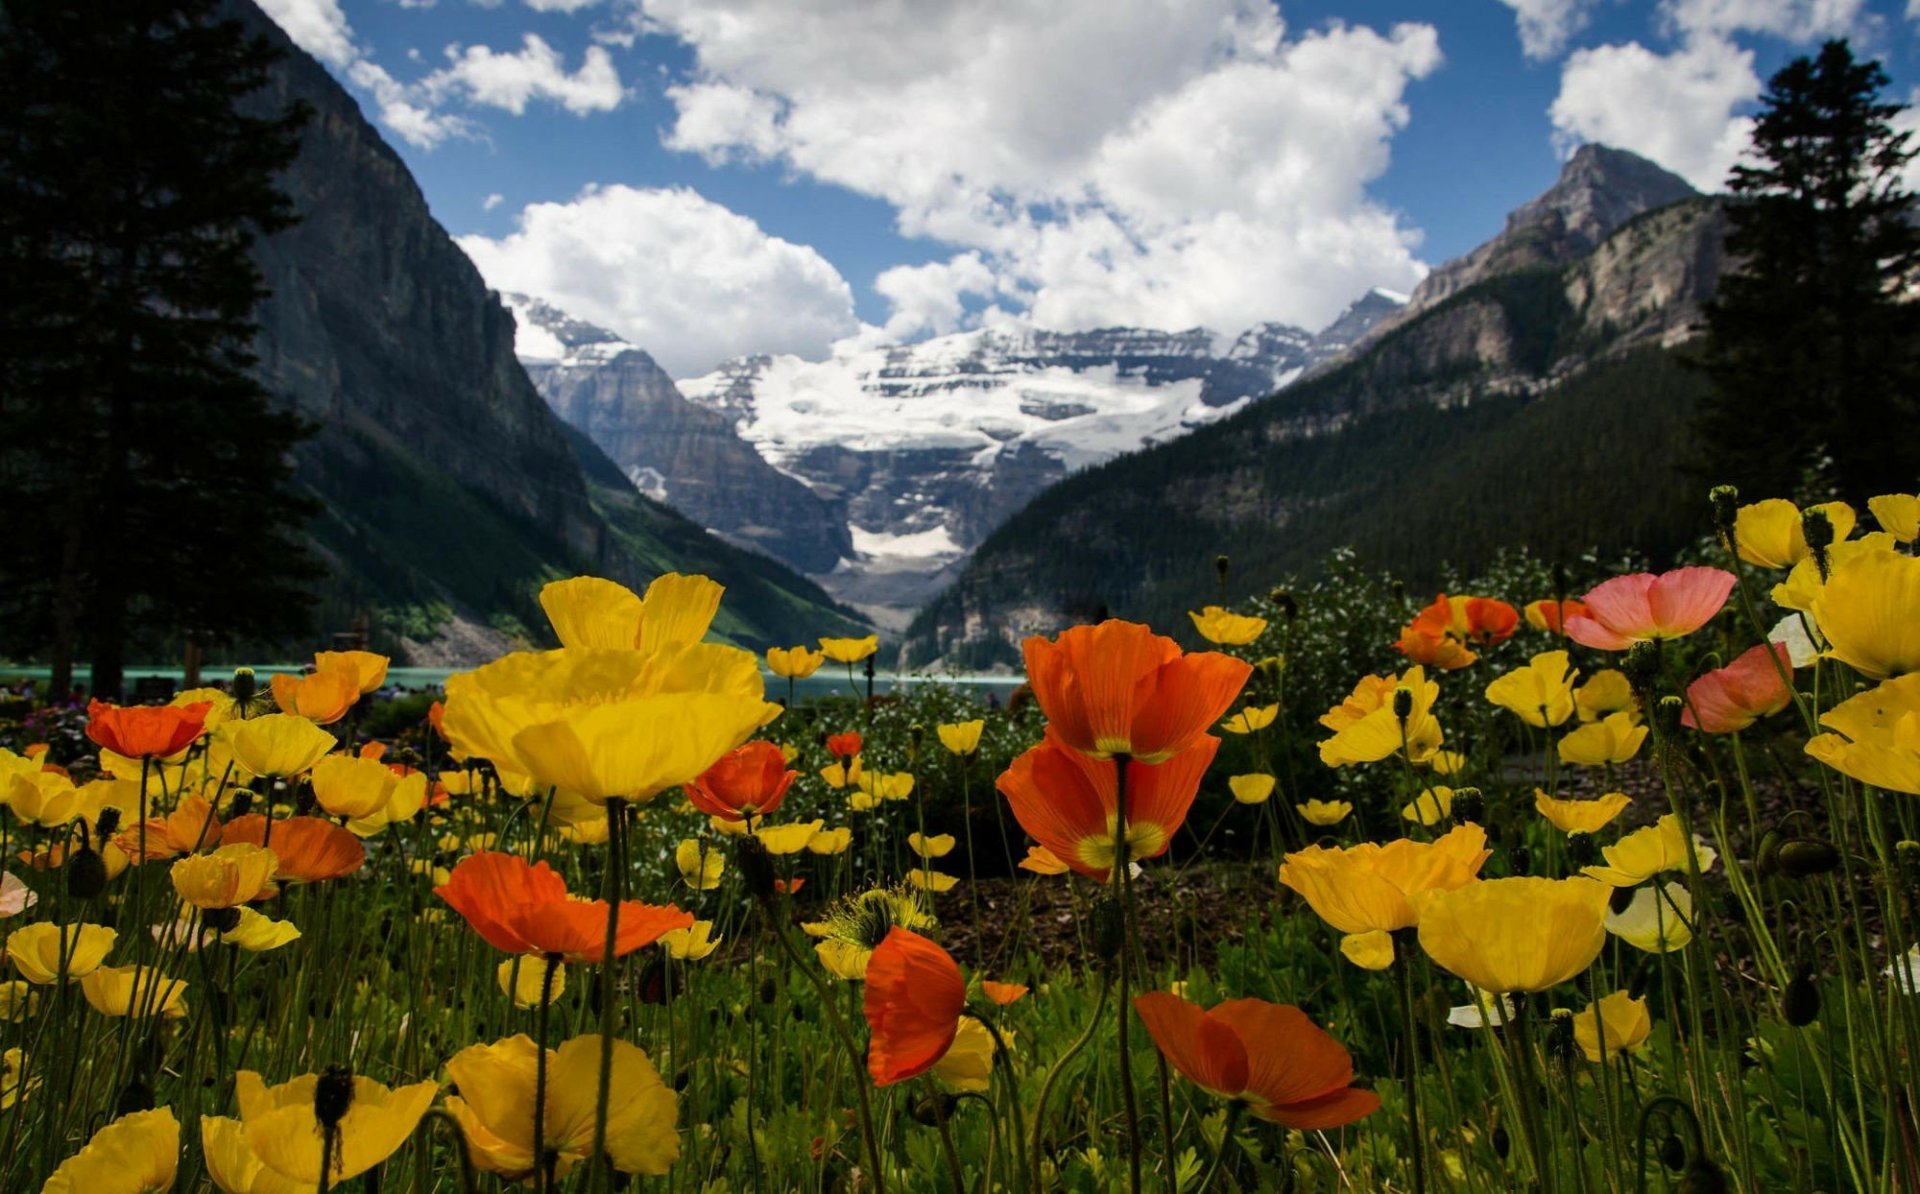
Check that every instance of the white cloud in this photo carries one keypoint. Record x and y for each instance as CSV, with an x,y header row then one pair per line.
x,y
537,71
687,279
492,201
560,5
1792,20
1161,163
1679,109
316,26
415,111
1547,25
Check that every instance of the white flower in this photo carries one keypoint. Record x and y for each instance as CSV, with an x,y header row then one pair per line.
x,y
1483,1010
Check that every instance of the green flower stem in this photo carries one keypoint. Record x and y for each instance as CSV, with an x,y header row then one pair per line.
x,y
1122,868
543,1158
1416,1142
1053,1075
614,890
1227,1143
946,1136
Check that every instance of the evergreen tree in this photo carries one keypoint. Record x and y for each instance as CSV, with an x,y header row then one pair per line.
x,y
1812,340
144,475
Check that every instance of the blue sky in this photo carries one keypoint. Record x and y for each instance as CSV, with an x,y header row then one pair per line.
x,y
716,177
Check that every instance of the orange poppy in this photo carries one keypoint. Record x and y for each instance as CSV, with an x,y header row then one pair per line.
x,y
1435,651
844,746
1120,689
322,698
789,886
1067,801
525,909
193,825
914,998
1003,993
749,782
310,849
1552,616
146,732
437,717
1286,1068
1442,634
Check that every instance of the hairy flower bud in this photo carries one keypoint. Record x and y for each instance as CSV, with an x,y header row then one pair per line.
x,y
332,1095
1818,529
1109,932
1402,703
1725,500
243,686
1641,664
1804,857
1469,805
1222,566
1800,1002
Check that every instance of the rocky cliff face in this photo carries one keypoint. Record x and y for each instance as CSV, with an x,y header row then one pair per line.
x,y
672,450
451,489
1599,189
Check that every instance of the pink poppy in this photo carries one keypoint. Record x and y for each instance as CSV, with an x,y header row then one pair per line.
x,y
1735,696
1642,606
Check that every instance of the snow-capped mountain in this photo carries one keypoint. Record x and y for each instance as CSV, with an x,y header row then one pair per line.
x,y
880,469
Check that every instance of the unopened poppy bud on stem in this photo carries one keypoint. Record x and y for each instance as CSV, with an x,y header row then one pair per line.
x,y
1642,664
1804,857
1222,567
1725,500
243,685
1402,703
1818,529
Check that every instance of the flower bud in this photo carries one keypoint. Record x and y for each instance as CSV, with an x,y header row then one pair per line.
x,y
108,823
1222,566
1667,713
1766,859
86,870
1109,932
1469,805
332,1095
243,686
221,920
755,865
1725,500
137,1096
1641,664
1800,1002
1703,1177
1818,529
934,1110
1561,1045
1803,857
1502,1143
1673,1153
1402,703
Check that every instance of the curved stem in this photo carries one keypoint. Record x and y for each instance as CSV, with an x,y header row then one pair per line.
x,y
1226,1143
1053,1075
613,889
946,1138
1123,867
1004,1056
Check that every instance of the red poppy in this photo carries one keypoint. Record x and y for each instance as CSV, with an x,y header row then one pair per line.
x,y
914,998
310,849
1002,993
1552,616
789,886
1642,606
843,746
1269,1054
1066,801
1120,689
146,732
749,782
525,909
1735,696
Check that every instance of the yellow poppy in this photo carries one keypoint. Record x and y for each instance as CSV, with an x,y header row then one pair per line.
x,y
1042,861
932,881
43,798
692,943
1614,739
1607,691
1430,807
232,1165
788,839
1658,920
257,933
135,990
1372,950
700,867
522,976
1771,534
284,1131
1251,719
1226,628
1898,515
276,744
937,846
885,785
322,698
1621,1019
36,950
1251,789
138,1153
1644,853
350,786
495,1107
794,663
855,926
849,650
840,775
1540,694
1379,734
1805,584
1580,816
1867,613
1879,738
1447,762
634,749
15,1083
407,798
967,1065
1521,934
595,614
961,737
1358,889
830,841
230,875
219,704
367,670
1324,812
